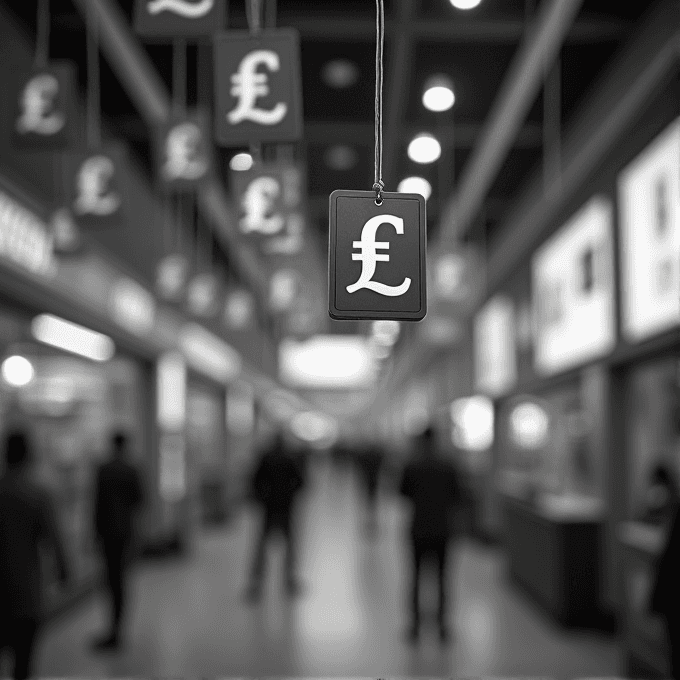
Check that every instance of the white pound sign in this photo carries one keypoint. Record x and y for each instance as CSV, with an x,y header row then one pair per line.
x,y
93,184
369,257
183,160
248,85
37,103
257,203
188,10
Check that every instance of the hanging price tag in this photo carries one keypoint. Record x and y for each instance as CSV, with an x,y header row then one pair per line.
x,y
377,256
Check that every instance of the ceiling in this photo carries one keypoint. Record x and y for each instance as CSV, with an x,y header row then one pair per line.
x,y
423,37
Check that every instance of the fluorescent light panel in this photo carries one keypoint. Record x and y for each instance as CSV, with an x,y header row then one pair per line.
x,y
208,354
70,337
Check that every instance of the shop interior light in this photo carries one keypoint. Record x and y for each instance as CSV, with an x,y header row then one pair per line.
x,y
314,428
171,377
424,149
415,185
241,162
208,354
70,337
17,371
438,94
340,73
472,420
132,306
465,4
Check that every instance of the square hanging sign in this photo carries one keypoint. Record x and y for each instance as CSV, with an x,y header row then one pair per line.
x,y
377,256
179,18
258,90
94,186
183,152
45,114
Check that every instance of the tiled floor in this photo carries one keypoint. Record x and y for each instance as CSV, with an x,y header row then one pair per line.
x,y
187,618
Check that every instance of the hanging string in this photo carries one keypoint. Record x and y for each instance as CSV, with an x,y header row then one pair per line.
x,y
42,43
93,86
179,75
378,184
254,15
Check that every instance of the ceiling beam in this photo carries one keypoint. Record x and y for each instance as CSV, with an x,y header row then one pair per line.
x,y
509,31
137,74
518,92
463,135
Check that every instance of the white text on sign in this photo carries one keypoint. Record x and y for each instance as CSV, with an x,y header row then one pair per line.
x,y
370,257
94,195
37,103
248,85
183,159
188,10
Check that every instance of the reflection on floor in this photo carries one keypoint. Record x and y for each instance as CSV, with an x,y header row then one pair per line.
x,y
187,618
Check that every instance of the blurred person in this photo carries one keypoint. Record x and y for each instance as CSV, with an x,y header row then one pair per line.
x,y
665,593
433,487
118,498
661,496
370,459
276,482
27,523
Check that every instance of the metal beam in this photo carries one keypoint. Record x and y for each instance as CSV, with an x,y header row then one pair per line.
x,y
146,89
462,135
610,111
515,98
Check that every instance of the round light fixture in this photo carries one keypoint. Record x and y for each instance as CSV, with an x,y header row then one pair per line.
x,y
465,4
17,371
340,73
415,185
424,149
438,94
341,158
241,162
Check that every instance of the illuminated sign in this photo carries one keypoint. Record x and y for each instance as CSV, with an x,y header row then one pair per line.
x,y
24,239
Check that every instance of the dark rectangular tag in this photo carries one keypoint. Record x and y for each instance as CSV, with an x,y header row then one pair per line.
x,y
258,91
170,19
377,256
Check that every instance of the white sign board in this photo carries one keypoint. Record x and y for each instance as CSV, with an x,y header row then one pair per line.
x,y
573,291
649,219
495,352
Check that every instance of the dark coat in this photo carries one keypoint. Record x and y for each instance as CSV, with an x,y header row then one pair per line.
x,y
276,482
433,487
118,496
665,599
27,521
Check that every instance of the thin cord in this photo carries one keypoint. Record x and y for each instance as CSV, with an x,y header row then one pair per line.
x,y
378,184
42,43
179,74
93,90
254,15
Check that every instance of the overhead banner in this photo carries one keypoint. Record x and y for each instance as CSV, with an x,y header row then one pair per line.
x,y
95,186
271,208
371,278
183,152
649,222
45,112
179,18
573,291
258,88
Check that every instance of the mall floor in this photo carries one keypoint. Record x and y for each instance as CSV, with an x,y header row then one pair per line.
x,y
188,619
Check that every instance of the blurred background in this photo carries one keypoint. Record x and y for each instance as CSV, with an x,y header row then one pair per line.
x,y
190,311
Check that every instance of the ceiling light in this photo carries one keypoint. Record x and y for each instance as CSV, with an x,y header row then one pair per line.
x,y
415,185
17,371
424,149
341,158
438,94
51,330
340,73
208,354
465,4
241,162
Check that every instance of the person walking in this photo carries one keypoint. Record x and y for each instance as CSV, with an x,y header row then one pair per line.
x,y
432,486
276,483
118,498
27,522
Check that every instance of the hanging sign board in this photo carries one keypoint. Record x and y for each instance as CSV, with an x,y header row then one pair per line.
x,y
45,114
67,238
269,197
95,186
258,91
179,18
183,157
371,278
